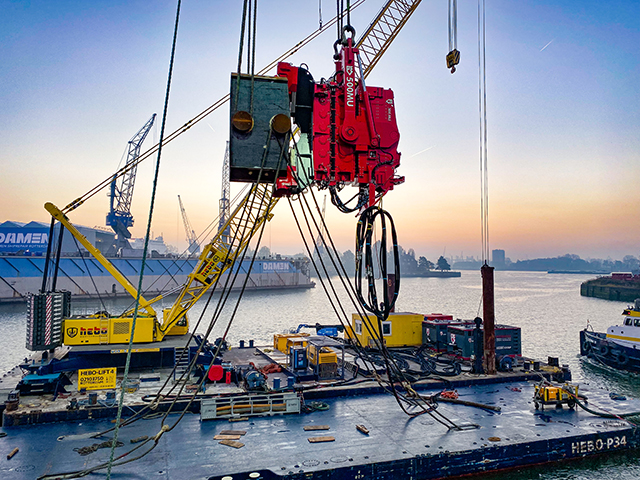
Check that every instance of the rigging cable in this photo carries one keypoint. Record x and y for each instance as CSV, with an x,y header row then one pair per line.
x,y
199,117
84,261
146,245
411,398
482,105
453,57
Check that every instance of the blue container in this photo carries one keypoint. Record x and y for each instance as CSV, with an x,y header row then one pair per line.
x,y
435,332
508,340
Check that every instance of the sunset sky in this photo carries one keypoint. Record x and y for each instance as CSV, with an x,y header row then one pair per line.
x,y
79,78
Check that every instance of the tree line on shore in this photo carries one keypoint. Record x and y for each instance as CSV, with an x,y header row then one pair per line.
x,y
412,264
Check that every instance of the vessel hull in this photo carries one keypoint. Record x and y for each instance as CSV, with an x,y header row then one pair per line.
x,y
596,346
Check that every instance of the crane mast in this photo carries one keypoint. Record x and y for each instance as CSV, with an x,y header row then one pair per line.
x,y
192,238
119,217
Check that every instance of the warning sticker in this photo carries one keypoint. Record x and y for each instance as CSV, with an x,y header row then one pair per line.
x,y
97,378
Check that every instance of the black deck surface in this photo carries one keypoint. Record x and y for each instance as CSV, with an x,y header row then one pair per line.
x,y
397,446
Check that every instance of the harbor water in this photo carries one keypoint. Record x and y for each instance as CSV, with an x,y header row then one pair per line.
x,y
547,307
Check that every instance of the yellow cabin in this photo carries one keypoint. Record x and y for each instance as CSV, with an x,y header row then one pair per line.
x,y
399,330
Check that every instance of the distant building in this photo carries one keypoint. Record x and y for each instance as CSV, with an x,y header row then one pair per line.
x,y
498,258
17,238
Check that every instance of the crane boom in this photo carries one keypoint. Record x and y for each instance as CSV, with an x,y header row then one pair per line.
x,y
192,238
383,30
128,286
246,219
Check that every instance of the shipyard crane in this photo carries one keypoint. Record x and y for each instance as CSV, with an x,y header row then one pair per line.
x,y
192,238
119,217
224,205
376,176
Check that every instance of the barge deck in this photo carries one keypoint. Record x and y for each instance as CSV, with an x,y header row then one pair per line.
x,y
509,433
396,446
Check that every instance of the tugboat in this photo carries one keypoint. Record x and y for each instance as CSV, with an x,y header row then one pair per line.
x,y
619,348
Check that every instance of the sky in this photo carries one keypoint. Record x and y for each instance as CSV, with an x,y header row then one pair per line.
x,y
79,79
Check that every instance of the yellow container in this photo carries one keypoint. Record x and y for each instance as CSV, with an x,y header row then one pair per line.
x,y
399,330
280,340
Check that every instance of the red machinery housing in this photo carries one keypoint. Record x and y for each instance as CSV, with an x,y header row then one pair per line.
x,y
353,128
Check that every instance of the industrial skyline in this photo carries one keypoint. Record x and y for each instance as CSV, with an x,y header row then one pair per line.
x,y
562,99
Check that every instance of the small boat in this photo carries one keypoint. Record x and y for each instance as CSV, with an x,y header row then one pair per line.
x,y
619,348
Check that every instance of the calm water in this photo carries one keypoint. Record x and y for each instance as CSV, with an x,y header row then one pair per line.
x,y
548,308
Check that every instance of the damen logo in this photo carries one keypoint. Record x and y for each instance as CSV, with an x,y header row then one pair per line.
x,y
72,332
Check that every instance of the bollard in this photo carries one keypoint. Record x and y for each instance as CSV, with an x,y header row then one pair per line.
x,y
241,343
276,383
291,381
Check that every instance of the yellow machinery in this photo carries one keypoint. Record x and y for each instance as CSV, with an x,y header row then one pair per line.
x,y
323,360
557,395
284,341
214,260
399,330
321,355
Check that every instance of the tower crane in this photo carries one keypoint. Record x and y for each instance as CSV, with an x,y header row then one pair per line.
x,y
192,238
119,217
374,151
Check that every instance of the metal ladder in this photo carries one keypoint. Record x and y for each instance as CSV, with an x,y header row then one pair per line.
x,y
181,365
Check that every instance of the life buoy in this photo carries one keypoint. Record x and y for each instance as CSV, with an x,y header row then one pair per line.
x,y
604,350
622,359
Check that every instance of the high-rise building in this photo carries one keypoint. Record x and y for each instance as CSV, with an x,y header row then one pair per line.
x,y
498,259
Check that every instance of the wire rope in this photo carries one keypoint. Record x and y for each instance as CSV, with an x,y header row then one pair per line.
x,y
482,107
146,244
84,261
199,117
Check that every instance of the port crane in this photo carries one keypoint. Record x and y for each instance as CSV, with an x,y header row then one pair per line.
x,y
359,146
192,238
119,217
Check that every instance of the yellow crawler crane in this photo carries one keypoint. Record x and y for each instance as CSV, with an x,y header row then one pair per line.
x,y
215,259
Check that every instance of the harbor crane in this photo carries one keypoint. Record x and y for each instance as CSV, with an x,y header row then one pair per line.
x,y
192,238
119,217
359,145
224,205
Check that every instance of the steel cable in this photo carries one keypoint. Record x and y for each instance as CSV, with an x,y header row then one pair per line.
x,y
146,242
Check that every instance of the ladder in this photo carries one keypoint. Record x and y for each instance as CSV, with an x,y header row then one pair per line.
x,y
180,365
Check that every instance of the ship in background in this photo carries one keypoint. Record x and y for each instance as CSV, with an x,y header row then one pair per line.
x,y
23,247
